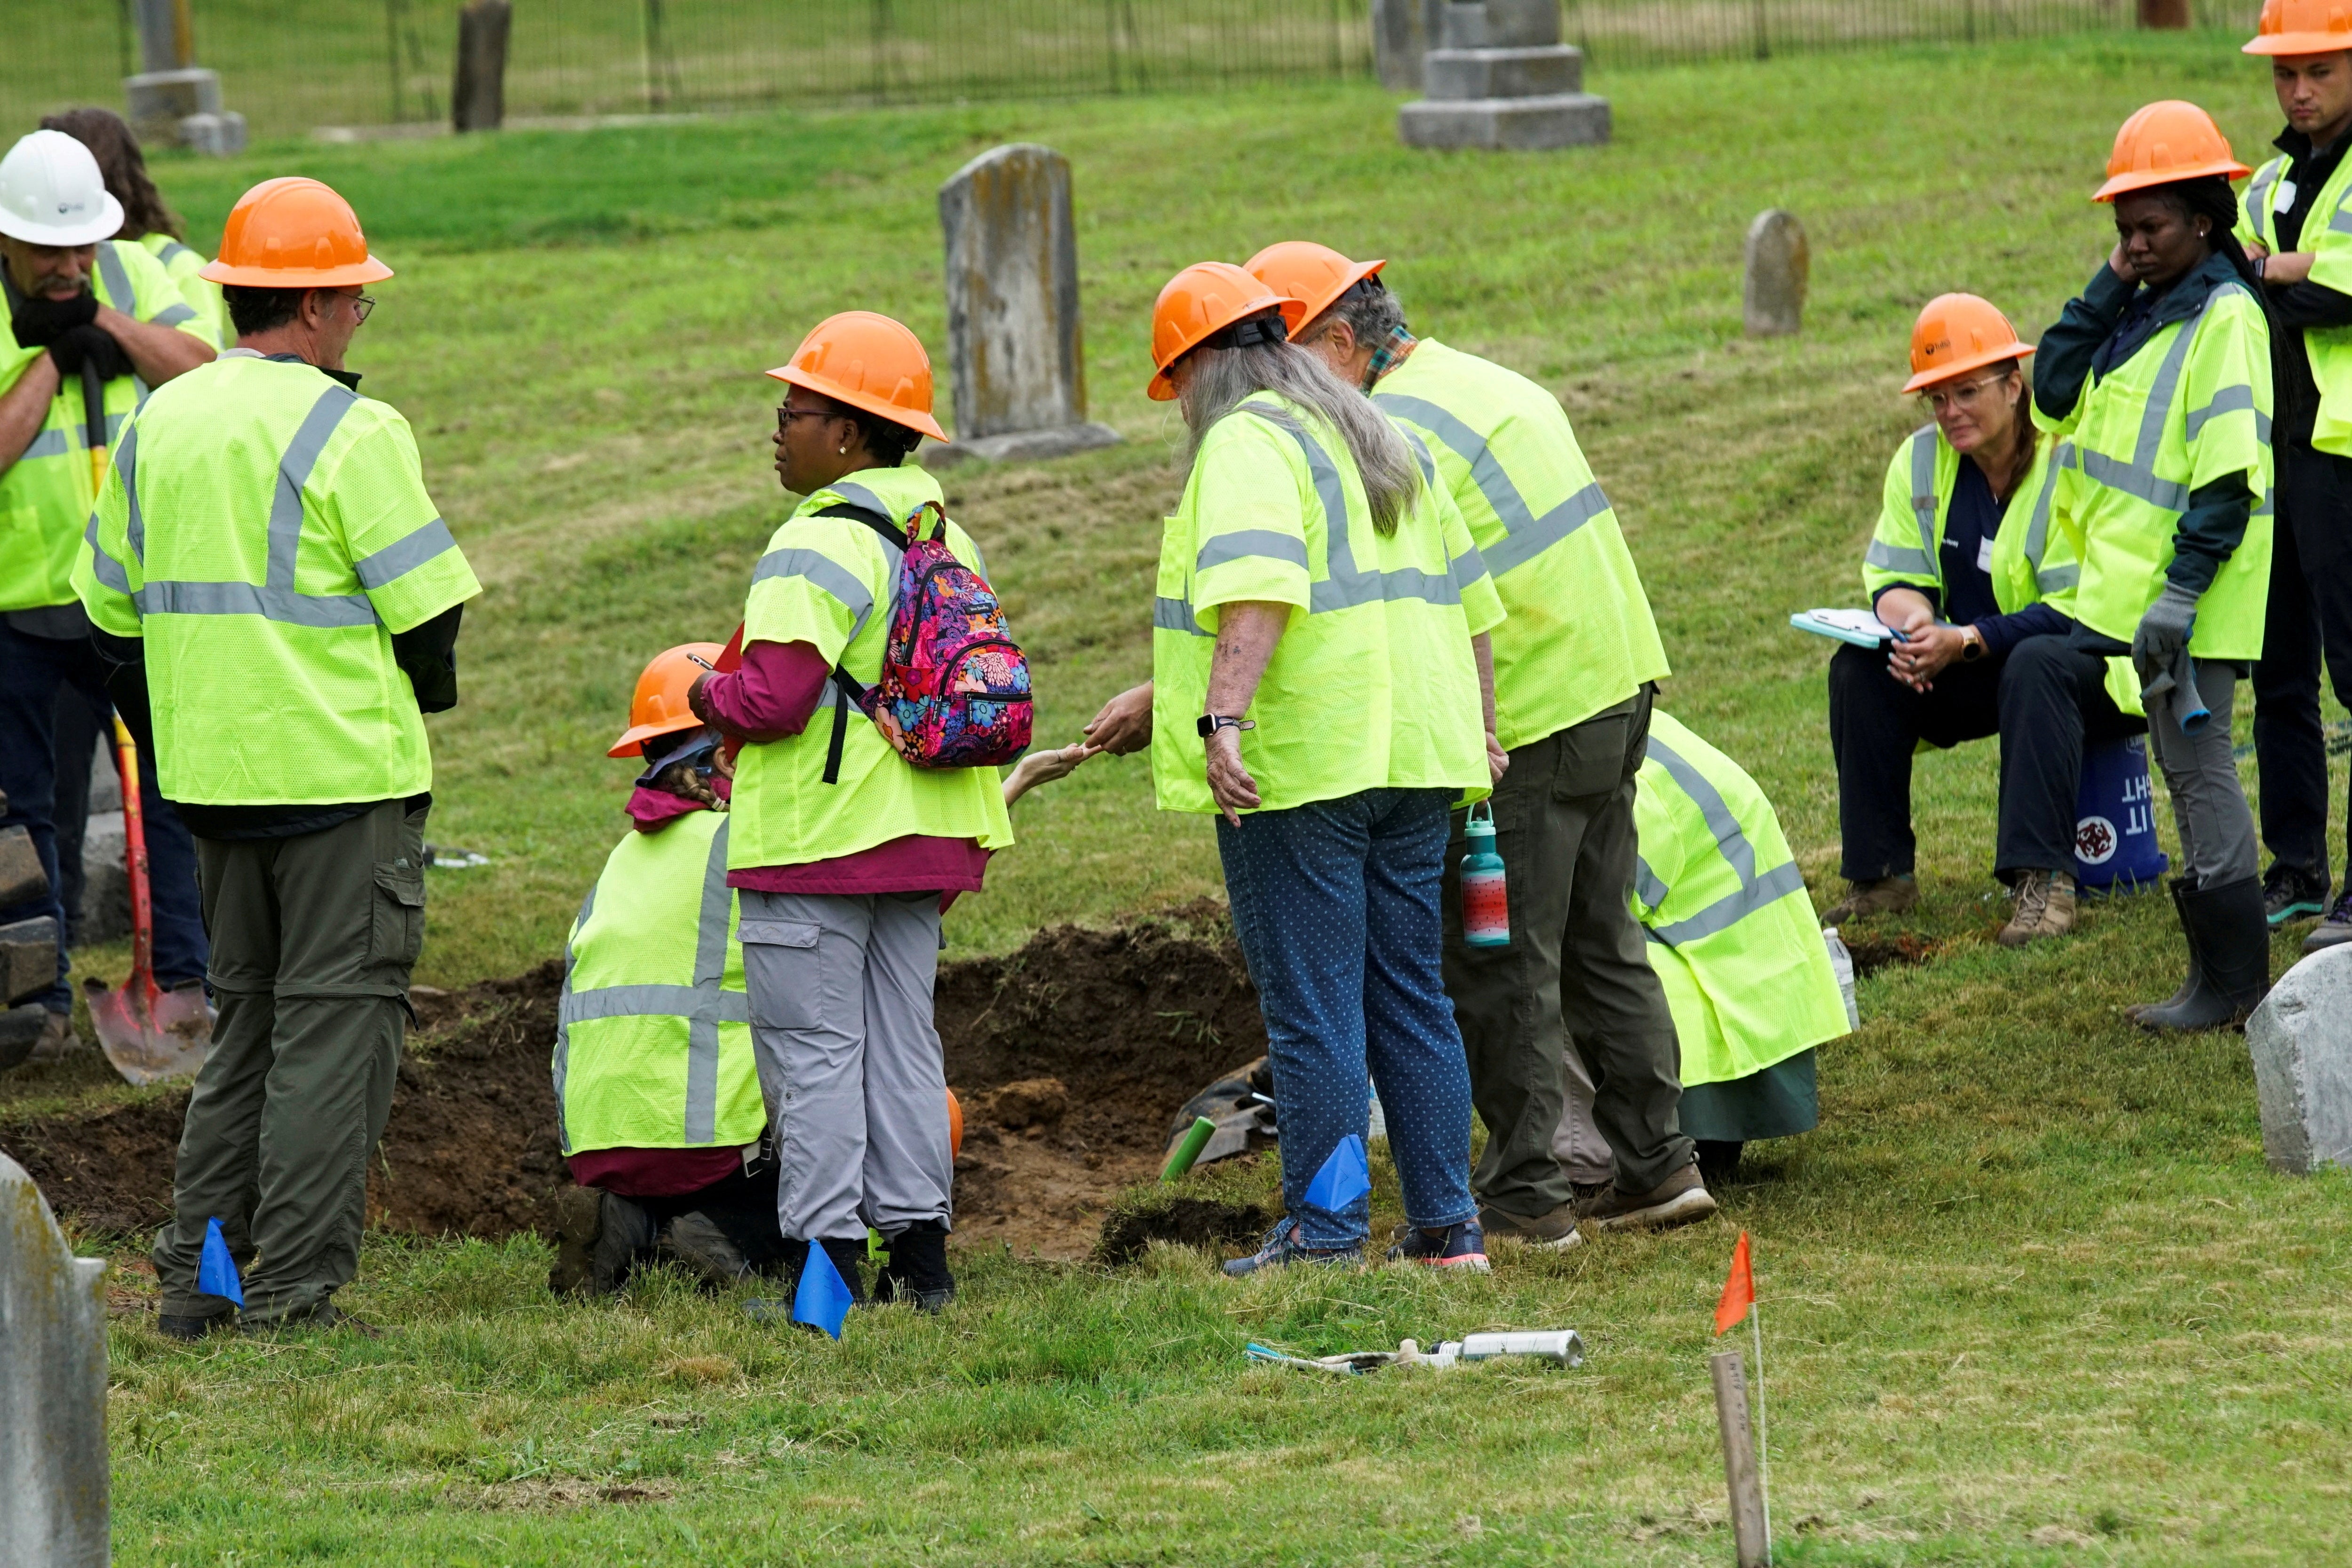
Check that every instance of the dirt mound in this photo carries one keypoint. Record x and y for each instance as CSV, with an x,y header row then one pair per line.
x,y
1070,1055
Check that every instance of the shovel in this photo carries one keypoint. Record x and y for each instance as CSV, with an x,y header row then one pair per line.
x,y
93,414
146,1033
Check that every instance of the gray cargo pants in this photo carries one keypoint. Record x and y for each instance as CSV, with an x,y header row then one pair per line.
x,y
849,1061
313,940
1574,975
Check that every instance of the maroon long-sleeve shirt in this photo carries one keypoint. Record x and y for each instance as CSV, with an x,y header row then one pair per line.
x,y
774,694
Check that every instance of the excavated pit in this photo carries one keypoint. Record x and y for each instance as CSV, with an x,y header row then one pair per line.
x,y
1069,1056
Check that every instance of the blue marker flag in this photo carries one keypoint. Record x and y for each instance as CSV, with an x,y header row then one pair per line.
x,y
215,1269
1344,1177
823,1300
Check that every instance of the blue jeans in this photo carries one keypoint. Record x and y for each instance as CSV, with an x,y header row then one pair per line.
x,y
1336,906
32,671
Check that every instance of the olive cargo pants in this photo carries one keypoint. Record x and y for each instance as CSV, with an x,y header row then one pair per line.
x,y
1574,975
313,940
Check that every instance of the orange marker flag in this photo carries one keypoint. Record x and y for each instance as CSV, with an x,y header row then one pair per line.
x,y
1738,1290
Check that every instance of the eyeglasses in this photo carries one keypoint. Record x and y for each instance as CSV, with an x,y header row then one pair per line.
x,y
786,414
361,305
1965,395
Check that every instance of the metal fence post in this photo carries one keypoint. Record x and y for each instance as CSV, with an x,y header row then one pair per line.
x,y
1763,39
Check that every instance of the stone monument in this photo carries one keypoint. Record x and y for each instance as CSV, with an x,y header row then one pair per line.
x,y
2301,1040
1403,31
1778,266
174,101
1501,78
53,1459
1013,344
477,99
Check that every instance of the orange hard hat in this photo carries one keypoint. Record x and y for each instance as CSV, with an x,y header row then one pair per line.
x,y
659,707
2163,145
294,233
2303,27
1203,299
870,363
1957,333
955,1125
1314,275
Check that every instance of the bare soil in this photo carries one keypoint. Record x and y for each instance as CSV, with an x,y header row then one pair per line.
x,y
1070,1057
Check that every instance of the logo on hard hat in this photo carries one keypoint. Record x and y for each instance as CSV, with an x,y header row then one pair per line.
x,y
1942,345
2096,841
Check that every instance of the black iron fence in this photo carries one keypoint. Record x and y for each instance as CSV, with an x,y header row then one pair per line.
x,y
293,68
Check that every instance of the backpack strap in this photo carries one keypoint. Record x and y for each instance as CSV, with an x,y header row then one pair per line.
x,y
847,688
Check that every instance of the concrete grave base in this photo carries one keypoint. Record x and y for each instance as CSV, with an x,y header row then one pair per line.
x,y
1022,446
1515,124
2301,1042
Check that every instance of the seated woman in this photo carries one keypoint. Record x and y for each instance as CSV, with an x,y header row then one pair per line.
x,y
1980,608
1732,938
657,1094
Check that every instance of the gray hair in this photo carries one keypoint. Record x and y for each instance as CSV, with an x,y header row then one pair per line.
x,y
1371,312
1223,377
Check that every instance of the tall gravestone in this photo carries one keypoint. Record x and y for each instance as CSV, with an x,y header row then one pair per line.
x,y
1778,266
2301,1042
1500,78
1403,32
477,97
53,1460
174,101
1015,348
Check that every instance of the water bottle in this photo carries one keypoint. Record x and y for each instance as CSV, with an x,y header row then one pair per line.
x,y
1486,907
1842,965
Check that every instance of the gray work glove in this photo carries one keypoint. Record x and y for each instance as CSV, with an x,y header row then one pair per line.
x,y
2160,656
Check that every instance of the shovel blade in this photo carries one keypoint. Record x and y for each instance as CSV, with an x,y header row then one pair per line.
x,y
149,1042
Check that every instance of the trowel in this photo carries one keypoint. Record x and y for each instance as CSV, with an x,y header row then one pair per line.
x,y
147,1033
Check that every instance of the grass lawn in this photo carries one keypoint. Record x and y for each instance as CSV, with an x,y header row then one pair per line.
x,y
2033,1296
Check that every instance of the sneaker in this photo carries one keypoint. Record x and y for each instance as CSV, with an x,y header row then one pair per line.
x,y
2335,929
1462,1246
1282,1250
1680,1199
2045,908
2289,894
1882,896
1554,1232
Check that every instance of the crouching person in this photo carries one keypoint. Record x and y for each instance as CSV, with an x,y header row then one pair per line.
x,y
657,1093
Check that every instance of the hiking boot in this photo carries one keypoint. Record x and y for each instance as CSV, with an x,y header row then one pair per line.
x,y
1881,895
1282,1249
1554,1232
325,1317
2335,929
696,1240
598,1237
918,1270
1680,1199
2292,894
58,1040
172,1326
2045,908
2229,949
1462,1246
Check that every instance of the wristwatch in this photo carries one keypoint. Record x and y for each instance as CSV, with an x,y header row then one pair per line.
x,y
1972,645
1209,724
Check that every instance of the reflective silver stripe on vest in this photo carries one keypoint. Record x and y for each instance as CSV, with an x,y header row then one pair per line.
x,y
58,440
118,280
172,315
1646,883
703,1005
2138,477
2258,199
2037,532
134,523
1175,616
104,567
293,472
403,555
2228,400
173,250
1897,558
2117,475
281,604
1754,893
822,570
2341,223
1525,535
1347,587
1252,543
1923,493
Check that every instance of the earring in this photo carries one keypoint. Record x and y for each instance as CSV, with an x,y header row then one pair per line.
x,y
845,452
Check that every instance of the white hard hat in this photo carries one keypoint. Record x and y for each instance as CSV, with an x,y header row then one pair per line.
x,y
52,194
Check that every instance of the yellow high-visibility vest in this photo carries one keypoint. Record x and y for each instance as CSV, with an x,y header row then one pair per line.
x,y
2328,235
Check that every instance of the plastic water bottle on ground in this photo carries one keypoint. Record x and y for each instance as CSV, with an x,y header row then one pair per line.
x,y
1842,965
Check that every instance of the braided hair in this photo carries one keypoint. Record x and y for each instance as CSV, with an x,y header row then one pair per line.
x,y
2212,199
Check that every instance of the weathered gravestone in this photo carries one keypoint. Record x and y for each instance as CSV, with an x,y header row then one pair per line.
x,y
1779,265
53,1474
1500,78
478,100
2301,1040
1013,343
1402,32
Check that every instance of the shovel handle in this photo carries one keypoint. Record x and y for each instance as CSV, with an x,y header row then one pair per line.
x,y
134,833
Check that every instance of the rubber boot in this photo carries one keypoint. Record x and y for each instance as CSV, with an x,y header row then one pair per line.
x,y
2228,928
599,1236
918,1270
847,1254
2196,981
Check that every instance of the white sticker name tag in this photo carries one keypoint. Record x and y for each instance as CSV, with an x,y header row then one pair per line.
x,y
2284,197
1984,553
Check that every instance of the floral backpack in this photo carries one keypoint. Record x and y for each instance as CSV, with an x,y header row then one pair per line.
x,y
954,691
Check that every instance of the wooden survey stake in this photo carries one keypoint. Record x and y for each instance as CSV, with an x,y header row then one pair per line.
x,y
1739,1459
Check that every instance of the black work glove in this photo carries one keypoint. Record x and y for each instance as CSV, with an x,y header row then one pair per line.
x,y
38,322
93,346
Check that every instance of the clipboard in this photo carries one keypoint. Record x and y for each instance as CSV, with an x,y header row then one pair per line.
x,y
1863,628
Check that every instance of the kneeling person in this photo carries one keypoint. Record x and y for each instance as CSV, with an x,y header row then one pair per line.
x,y
657,1095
